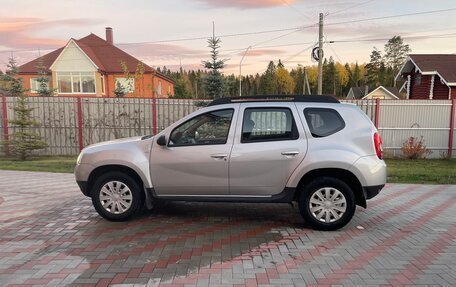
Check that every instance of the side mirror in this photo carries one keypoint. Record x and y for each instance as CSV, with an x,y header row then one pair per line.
x,y
161,140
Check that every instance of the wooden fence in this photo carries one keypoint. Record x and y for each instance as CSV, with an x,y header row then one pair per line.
x,y
68,124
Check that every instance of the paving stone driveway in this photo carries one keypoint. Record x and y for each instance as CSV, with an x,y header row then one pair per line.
x,y
51,235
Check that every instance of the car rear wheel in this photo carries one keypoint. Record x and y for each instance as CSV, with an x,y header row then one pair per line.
x,y
327,203
117,196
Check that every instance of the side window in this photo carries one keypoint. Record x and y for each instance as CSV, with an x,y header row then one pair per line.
x,y
206,129
323,122
268,124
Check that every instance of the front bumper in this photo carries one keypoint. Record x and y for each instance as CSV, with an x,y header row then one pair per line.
x,y
83,187
81,174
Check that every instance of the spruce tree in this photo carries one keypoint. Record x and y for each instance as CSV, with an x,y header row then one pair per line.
x,y
268,81
214,79
43,80
374,68
23,141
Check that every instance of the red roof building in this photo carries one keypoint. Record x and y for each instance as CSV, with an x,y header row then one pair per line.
x,y
92,66
429,76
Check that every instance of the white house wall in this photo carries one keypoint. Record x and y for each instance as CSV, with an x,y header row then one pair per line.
x,y
380,94
73,59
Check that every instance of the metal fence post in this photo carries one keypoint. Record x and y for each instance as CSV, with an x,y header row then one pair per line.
x,y
5,126
154,115
377,112
451,133
81,143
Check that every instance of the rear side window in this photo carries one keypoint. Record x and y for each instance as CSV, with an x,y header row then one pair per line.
x,y
268,124
323,122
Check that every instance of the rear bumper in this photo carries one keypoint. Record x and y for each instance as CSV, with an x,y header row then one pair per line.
x,y
372,191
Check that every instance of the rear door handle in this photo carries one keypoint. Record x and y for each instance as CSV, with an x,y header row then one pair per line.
x,y
219,156
290,153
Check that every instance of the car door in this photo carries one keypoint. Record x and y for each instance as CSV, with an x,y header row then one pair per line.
x,y
268,146
195,160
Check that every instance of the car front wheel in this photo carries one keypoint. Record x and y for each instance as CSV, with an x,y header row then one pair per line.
x,y
116,196
327,203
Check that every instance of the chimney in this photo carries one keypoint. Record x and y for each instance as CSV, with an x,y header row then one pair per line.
x,y
109,38
366,89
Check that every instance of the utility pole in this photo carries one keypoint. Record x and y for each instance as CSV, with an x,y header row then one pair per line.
x,y
240,70
305,84
320,55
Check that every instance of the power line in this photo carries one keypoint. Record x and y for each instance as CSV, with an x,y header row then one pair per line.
x,y
439,36
296,10
334,52
350,7
294,29
259,47
391,16
290,57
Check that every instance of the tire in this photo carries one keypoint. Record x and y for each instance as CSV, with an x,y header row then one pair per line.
x,y
122,191
327,203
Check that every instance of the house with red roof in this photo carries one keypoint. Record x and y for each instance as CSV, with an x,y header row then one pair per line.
x,y
429,76
94,67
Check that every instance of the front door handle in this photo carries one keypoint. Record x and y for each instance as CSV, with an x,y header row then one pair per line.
x,y
290,153
219,156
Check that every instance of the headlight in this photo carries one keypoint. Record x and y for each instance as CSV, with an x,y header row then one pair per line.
x,y
78,161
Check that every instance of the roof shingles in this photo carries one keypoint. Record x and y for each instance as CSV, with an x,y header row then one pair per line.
x,y
444,64
106,56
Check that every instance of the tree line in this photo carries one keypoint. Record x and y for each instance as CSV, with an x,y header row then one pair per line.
x,y
277,79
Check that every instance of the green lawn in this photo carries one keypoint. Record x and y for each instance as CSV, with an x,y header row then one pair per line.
x,y
433,171
42,163
399,171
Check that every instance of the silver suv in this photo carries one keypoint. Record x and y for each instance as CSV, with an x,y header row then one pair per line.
x,y
325,155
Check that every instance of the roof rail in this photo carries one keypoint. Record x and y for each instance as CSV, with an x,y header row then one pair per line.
x,y
275,98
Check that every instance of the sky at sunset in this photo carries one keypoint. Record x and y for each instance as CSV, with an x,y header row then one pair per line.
x,y
173,33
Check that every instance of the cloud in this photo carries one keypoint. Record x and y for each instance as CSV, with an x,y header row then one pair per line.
x,y
15,31
250,4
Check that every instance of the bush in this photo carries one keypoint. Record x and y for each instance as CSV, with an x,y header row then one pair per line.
x,y
414,148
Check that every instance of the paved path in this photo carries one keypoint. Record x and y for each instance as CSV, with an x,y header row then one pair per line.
x,y
51,235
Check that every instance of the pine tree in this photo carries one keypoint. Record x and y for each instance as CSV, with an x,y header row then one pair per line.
x,y
43,80
214,79
329,77
268,81
2,81
23,141
120,91
356,76
374,68
298,78
394,57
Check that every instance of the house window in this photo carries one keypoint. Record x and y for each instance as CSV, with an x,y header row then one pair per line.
x,y
169,90
35,85
417,81
127,83
159,88
76,83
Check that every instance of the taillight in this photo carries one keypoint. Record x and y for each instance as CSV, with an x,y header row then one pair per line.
x,y
378,145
